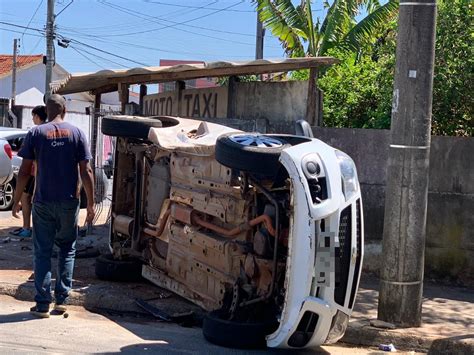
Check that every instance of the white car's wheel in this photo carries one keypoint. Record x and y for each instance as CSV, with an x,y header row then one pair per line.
x,y
6,196
250,152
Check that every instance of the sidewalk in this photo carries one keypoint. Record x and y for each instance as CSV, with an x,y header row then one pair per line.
x,y
448,321
448,312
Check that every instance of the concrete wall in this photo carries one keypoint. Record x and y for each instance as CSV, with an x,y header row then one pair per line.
x,y
272,106
450,216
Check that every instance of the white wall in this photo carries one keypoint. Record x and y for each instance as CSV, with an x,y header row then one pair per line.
x,y
79,120
32,82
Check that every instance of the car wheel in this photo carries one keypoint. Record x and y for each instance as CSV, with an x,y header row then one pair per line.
x,y
6,196
109,269
250,152
134,126
233,334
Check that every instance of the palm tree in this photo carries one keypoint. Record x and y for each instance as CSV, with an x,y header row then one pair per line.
x,y
295,26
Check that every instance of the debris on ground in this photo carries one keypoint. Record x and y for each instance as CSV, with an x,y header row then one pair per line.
x,y
381,324
387,347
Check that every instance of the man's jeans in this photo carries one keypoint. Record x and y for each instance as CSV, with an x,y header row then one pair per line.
x,y
54,223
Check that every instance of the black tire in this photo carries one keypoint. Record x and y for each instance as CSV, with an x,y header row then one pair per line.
x,y
236,334
6,200
250,158
109,269
129,126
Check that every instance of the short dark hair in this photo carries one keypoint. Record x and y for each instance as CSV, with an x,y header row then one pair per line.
x,y
40,110
56,105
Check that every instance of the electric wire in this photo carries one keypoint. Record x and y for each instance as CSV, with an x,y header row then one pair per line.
x,y
190,7
29,22
164,27
86,57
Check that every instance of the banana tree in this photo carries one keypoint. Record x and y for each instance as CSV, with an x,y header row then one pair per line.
x,y
302,35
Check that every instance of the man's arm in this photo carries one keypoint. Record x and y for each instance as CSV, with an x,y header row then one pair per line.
x,y
87,178
23,176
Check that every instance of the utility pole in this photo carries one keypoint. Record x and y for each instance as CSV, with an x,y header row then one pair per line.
x,y
259,40
403,246
49,48
15,51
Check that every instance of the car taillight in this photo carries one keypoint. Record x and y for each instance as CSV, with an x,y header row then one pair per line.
x,y
8,150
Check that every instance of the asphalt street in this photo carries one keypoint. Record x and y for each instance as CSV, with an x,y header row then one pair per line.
x,y
90,333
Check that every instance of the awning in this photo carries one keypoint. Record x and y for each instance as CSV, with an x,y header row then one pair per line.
x,y
108,80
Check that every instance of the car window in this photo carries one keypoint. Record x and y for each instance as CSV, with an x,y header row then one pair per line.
x,y
16,142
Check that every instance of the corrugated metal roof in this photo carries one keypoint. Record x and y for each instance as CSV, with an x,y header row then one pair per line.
x,y
107,80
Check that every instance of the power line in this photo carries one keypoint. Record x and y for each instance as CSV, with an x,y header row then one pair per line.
x,y
100,57
19,26
109,53
64,8
35,46
29,22
134,12
119,26
192,7
121,44
27,34
131,12
83,55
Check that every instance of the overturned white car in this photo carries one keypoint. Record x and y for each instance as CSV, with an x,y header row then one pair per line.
x,y
263,231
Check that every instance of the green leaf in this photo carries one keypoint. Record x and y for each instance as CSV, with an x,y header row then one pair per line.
x,y
365,30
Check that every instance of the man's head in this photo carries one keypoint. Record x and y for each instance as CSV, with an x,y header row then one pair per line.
x,y
56,106
39,114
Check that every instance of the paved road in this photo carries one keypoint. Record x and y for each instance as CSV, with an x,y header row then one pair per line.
x,y
86,332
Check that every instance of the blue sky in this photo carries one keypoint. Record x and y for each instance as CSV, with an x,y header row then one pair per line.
x,y
143,31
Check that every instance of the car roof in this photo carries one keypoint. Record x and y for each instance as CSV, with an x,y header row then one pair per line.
x,y
6,132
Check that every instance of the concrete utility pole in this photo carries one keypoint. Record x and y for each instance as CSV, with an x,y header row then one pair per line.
x,y
49,48
15,51
259,41
403,247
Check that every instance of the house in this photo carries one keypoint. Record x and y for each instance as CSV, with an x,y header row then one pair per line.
x,y
30,87
199,83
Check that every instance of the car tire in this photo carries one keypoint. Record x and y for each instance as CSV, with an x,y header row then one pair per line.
x,y
109,269
234,334
129,126
6,201
234,151
101,185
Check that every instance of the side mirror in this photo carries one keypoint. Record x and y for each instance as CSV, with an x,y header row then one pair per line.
x,y
303,128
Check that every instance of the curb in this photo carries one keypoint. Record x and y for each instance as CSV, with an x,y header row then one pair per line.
x,y
108,297
362,333
457,345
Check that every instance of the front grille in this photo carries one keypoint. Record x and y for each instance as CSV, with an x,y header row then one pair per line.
x,y
343,256
305,330
359,254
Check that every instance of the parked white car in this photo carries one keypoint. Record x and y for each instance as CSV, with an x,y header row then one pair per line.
x,y
265,231
15,137
6,174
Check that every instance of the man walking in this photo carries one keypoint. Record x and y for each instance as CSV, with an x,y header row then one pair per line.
x,y
60,151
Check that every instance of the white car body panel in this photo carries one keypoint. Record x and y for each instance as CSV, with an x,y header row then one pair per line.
x,y
6,170
304,243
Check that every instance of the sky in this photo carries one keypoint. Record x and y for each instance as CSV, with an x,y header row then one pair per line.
x,y
140,31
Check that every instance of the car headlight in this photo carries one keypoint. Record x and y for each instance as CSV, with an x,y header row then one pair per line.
x,y
350,183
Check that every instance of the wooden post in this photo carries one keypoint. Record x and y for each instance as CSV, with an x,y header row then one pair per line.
x,y
143,92
179,87
312,103
231,109
124,96
95,128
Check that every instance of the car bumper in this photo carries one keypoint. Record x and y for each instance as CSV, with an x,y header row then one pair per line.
x,y
324,259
